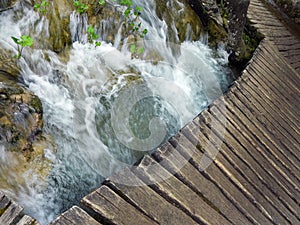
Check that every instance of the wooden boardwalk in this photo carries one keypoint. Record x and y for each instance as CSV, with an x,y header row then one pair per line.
x,y
254,178
286,38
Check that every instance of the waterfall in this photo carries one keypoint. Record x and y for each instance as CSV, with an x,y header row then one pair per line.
x,y
91,97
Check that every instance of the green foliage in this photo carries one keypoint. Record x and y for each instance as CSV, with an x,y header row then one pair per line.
x,y
136,50
92,36
42,7
23,41
133,24
102,2
81,7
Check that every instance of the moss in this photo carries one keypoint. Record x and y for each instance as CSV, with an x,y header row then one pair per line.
x,y
36,104
216,34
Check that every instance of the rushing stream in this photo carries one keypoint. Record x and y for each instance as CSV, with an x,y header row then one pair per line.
x,y
99,102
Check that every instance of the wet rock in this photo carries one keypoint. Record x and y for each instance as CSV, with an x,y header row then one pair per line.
x,y
184,21
21,121
9,70
56,18
6,4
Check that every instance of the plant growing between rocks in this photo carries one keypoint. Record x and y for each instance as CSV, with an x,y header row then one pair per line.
x,y
81,7
92,36
22,42
41,7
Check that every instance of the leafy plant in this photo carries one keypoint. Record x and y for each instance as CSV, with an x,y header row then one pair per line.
x,y
136,50
92,36
132,21
81,7
41,7
23,41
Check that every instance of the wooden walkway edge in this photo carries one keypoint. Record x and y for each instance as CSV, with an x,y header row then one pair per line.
x,y
250,136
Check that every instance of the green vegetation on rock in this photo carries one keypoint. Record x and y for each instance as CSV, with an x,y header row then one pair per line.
x,y
22,42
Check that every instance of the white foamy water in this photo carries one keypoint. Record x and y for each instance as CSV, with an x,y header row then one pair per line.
x,y
99,126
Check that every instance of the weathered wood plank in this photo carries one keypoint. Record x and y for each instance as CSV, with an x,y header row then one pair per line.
x,y
11,213
247,171
237,194
252,156
200,184
4,203
27,220
244,126
274,131
286,111
75,215
150,202
270,210
114,209
177,192
276,116
262,138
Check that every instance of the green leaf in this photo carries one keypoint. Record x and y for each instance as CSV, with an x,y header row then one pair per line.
x,y
17,56
138,8
85,7
76,3
44,3
132,48
90,30
145,31
16,40
102,2
127,12
37,6
97,43
26,41
140,50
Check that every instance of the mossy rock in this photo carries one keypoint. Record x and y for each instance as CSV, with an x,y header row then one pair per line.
x,y
216,34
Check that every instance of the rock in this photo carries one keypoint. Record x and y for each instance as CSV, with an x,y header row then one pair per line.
x,y
57,37
6,4
8,66
237,20
21,121
180,15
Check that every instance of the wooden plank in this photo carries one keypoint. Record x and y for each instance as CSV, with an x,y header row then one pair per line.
x,y
114,209
27,220
4,203
11,213
264,140
254,161
244,126
276,131
200,184
159,208
287,113
252,193
238,194
177,192
233,151
75,215
284,122
275,114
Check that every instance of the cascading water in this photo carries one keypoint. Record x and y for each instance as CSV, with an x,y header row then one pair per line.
x,y
85,112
